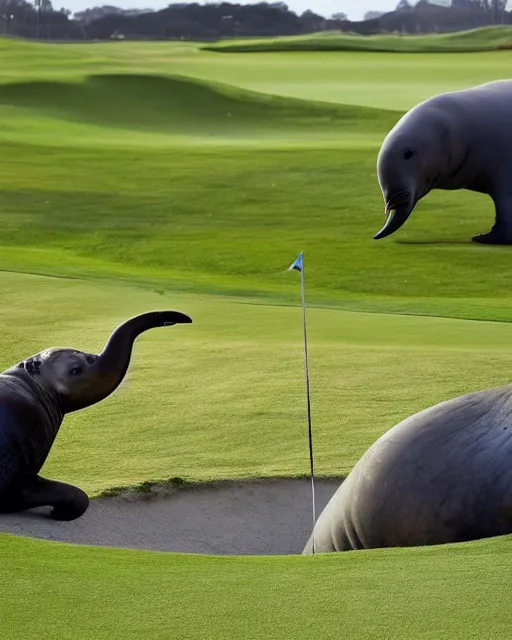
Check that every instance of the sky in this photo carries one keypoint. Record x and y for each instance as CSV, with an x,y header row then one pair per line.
x,y
355,9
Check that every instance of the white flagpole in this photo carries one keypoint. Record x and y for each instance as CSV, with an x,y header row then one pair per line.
x,y
308,394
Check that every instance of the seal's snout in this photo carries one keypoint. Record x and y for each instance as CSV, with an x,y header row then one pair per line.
x,y
170,318
396,217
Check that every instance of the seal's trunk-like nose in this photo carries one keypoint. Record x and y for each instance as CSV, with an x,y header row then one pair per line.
x,y
112,363
114,360
396,217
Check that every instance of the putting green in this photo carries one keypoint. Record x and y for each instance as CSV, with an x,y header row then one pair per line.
x,y
139,176
224,398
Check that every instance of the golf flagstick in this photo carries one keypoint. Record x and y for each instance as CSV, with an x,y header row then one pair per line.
x,y
298,265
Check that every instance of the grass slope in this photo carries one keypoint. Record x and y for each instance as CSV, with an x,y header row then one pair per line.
x,y
171,106
83,196
458,593
229,219
224,397
357,78
103,183
484,39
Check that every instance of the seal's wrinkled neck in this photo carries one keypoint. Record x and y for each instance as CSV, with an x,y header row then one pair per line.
x,y
455,146
28,388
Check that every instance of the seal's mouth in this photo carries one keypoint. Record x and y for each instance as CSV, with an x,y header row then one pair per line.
x,y
398,208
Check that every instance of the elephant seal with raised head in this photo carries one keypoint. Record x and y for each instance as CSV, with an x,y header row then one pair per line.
x,y
442,475
456,140
36,394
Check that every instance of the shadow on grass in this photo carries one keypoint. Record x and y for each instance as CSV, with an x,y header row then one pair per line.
x,y
435,242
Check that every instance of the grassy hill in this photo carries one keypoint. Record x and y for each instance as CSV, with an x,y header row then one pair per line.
x,y
483,39
182,106
350,78
224,397
137,176
163,188
217,191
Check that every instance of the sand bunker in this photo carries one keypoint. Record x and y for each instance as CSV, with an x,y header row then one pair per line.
x,y
235,518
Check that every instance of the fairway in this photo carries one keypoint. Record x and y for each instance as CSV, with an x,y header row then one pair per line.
x,y
141,176
388,80
230,386
484,39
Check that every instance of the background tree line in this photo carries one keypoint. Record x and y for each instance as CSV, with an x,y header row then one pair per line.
x,y
192,21
424,17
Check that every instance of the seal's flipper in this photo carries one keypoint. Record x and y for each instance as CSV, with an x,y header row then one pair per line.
x,y
493,237
68,502
501,233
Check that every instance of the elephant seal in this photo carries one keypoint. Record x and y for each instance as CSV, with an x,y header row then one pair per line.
x,y
440,476
35,395
456,140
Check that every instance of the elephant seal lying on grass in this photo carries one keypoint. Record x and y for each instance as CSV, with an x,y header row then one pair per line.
x,y
442,475
34,397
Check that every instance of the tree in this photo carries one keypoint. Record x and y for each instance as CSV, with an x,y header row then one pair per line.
x,y
206,21
403,5
311,21
95,13
339,16
495,9
373,15
44,5
280,6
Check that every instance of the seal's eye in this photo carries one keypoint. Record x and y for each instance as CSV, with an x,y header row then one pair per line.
x,y
408,154
75,371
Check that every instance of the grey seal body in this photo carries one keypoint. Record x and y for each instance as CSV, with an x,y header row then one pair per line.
x,y
38,392
456,140
442,475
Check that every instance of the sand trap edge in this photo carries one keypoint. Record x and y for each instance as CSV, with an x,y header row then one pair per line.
x,y
265,516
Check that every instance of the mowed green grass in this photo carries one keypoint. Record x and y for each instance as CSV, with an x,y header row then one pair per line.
x,y
59,591
221,191
484,39
175,111
385,80
224,397
171,185
122,193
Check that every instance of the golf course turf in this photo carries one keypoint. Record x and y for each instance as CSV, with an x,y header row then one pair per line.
x,y
486,39
139,176
60,591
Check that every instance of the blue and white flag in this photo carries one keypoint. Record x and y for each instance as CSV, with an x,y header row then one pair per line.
x,y
297,265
